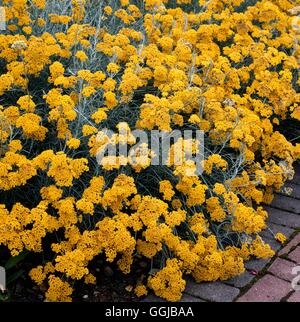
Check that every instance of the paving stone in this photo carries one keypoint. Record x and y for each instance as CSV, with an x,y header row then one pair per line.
x,y
153,298
283,218
257,265
212,291
294,242
295,255
282,268
268,289
241,280
286,203
271,227
296,178
294,188
189,298
275,245
295,297
184,298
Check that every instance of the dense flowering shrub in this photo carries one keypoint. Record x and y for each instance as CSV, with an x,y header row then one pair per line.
x,y
70,68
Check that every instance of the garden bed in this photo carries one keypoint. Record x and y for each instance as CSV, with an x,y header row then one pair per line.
x,y
142,138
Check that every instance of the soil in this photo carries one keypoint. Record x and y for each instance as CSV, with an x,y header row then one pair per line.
x,y
111,286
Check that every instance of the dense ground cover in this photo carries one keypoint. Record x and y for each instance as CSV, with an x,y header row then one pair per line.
x,y
70,69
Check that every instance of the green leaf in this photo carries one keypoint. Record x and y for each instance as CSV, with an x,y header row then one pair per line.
x,y
13,261
3,297
11,278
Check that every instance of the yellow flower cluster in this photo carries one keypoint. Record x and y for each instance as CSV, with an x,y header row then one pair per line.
x,y
168,283
227,68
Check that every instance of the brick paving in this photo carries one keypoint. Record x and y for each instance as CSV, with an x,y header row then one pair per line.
x,y
295,255
282,268
212,291
267,289
295,297
265,280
